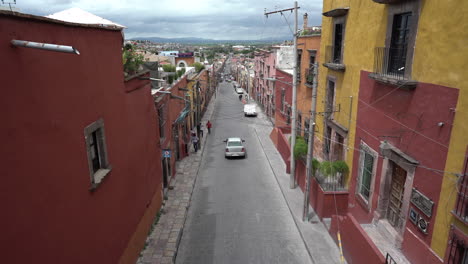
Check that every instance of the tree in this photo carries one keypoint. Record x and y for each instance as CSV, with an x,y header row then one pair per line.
x,y
198,66
169,68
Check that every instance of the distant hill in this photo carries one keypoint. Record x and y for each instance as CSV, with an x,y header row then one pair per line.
x,y
210,41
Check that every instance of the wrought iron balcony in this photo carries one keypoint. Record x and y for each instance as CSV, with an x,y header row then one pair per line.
x,y
309,76
334,58
461,207
390,67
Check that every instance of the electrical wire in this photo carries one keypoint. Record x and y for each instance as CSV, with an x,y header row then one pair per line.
x,y
241,120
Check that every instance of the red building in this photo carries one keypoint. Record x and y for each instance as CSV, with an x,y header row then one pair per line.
x,y
397,130
265,71
173,108
283,102
81,157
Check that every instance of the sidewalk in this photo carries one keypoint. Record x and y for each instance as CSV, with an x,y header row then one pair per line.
x,y
320,245
163,241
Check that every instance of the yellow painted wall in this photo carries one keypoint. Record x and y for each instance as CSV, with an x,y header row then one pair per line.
x,y
364,30
191,89
441,57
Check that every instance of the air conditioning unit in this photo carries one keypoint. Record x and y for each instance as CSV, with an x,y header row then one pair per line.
x,y
423,225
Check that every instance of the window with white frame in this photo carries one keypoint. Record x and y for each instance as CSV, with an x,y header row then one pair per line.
x,y
367,161
98,163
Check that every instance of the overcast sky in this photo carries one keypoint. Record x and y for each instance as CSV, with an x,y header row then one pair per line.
x,y
213,19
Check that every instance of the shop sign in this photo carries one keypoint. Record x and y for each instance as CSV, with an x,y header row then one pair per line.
x,y
422,202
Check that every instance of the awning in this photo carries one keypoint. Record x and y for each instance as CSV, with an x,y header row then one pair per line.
x,y
182,115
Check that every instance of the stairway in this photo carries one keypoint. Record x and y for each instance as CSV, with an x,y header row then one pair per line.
x,y
387,239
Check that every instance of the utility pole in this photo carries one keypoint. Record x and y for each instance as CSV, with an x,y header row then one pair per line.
x,y
310,146
292,178
248,81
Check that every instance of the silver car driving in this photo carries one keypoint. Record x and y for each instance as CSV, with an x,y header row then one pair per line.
x,y
235,147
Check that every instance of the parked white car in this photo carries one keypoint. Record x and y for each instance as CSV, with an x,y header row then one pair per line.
x,y
250,110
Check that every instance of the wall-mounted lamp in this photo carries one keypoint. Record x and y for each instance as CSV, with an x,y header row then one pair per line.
x,y
44,46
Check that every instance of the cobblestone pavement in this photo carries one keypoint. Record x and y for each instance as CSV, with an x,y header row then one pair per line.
x,y
161,244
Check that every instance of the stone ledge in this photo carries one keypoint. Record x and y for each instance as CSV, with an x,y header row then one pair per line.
x,y
335,66
401,83
337,12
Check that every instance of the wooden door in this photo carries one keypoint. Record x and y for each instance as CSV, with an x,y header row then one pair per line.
x,y
397,189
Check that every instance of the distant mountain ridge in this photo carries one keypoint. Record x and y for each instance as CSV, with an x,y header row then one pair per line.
x,y
192,40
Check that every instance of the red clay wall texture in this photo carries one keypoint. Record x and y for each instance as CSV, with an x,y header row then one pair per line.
x,y
325,203
48,99
408,120
354,239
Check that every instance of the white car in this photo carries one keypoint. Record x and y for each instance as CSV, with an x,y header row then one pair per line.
x,y
239,90
235,147
250,110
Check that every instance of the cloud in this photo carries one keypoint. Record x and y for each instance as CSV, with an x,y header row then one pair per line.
x,y
227,19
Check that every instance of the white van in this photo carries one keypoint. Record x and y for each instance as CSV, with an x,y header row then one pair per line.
x,y
250,110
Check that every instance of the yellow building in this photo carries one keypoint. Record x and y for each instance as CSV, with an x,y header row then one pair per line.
x,y
393,103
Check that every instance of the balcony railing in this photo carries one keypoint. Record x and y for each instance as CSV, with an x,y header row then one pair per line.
x,y
461,207
333,182
390,62
311,76
390,67
333,58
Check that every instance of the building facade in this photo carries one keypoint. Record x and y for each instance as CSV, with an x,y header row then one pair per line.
x,y
82,155
394,114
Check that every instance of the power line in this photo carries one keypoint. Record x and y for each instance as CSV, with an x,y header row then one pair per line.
x,y
348,147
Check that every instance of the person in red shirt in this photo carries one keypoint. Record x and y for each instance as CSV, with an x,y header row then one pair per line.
x,y
208,125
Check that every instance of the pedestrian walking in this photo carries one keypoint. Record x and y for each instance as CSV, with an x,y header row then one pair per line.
x,y
208,125
240,97
195,142
200,129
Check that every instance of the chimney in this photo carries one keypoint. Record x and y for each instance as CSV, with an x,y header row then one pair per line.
x,y
304,27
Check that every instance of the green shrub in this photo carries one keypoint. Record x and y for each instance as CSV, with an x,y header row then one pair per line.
x,y
300,148
329,168
131,60
198,66
170,79
169,68
315,165
326,168
340,166
180,72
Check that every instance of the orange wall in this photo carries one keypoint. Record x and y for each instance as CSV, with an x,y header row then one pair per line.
x,y
304,93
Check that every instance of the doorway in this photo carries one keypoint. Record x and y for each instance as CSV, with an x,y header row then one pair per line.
x,y
397,190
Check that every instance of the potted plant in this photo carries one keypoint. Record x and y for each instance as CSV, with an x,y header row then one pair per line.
x,y
131,60
300,148
333,173
341,168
